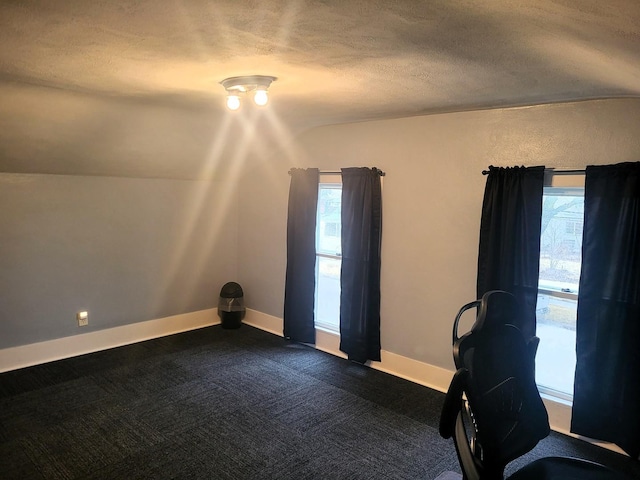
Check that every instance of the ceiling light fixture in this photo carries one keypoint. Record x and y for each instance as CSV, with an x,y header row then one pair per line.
x,y
240,86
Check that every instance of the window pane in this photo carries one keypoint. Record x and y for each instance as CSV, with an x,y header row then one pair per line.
x,y
561,242
556,310
328,293
328,242
556,357
329,220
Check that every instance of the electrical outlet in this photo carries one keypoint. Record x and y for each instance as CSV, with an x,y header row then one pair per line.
x,y
83,319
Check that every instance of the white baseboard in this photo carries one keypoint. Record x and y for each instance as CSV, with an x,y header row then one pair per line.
x,y
263,321
51,350
560,420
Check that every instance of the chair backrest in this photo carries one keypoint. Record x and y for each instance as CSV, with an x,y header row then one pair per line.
x,y
508,414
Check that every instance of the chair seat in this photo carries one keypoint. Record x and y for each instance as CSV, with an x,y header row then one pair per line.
x,y
557,468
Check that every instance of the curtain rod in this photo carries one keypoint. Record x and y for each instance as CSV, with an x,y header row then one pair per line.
x,y
329,172
554,171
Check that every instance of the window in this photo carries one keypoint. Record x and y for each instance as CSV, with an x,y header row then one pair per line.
x,y
332,229
328,255
574,227
556,310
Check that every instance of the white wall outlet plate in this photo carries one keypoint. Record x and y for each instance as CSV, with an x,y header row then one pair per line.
x,y
83,319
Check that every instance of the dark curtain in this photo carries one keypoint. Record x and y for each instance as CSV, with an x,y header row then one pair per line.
x,y
509,251
360,275
300,283
606,402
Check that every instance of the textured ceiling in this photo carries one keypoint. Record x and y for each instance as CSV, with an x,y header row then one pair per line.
x,y
336,60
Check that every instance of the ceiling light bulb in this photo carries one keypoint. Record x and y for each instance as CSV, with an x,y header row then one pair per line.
x,y
233,102
261,98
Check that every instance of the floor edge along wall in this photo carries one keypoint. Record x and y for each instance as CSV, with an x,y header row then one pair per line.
x,y
421,373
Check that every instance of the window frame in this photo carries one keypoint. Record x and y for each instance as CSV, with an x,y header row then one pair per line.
x,y
570,184
326,181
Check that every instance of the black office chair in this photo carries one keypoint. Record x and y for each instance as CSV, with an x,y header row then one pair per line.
x,y
493,409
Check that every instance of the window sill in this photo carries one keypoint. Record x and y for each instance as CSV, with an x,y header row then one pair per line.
x,y
329,330
560,399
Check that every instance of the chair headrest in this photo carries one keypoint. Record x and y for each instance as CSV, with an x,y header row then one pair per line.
x,y
497,307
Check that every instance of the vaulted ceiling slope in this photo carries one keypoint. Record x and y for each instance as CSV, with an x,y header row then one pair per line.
x,y
336,60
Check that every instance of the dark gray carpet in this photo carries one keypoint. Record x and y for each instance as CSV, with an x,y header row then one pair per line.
x,y
225,404
449,476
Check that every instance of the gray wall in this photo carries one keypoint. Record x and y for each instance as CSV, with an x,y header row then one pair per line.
x,y
134,249
432,198
125,249
120,206
46,130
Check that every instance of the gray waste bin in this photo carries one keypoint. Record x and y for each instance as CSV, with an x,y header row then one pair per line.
x,y
231,305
